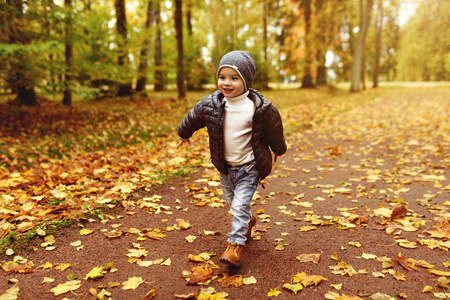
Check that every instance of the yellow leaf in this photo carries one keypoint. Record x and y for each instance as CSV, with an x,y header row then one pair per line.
x,y
440,273
132,283
48,280
356,244
249,280
191,238
307,228
306,279
383,212
334,256
427,289
11,294
85,231
337,286
167,262
331,295
183,224
273,293
96,272
47,265
144,263
293,287
63,266
397,275
66,287
201,257
137,253
368,256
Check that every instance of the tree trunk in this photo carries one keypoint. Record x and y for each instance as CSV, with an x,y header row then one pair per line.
x,y
67,100
143,66
265,77
125,89
190,53
307,81
159,85
20,74
321,69
180,57
376,65
359,49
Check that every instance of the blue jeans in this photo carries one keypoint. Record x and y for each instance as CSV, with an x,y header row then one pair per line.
x,y
238,187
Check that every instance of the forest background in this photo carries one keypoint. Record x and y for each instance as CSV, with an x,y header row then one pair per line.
x,y
101,48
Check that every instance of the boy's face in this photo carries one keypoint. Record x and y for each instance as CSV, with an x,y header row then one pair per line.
x,y
230,83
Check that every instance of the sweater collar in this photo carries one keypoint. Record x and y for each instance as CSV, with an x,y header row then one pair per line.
x,y
238,99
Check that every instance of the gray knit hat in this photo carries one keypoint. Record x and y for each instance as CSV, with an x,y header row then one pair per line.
x,y
242,62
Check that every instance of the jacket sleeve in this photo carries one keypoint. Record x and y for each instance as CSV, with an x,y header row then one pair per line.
x,y
274,131
193,121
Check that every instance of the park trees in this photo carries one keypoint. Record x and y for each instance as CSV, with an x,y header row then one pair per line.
x,y
77,46
425,43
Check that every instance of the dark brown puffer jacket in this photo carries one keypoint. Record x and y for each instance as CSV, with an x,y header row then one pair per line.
x,y
267,132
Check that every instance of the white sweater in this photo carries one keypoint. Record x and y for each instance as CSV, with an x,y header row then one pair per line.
x,y
237,128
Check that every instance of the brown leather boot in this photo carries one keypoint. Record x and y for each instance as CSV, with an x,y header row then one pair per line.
x,y
250,226
233,254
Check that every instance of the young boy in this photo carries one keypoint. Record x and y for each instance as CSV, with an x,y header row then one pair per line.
x,y
243,127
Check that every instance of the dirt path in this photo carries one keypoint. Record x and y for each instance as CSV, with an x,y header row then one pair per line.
x,y
331,195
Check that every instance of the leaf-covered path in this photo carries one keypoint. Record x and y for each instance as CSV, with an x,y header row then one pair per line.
x,y
365,193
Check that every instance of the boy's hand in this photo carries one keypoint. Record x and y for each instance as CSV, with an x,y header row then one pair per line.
x,y
183,141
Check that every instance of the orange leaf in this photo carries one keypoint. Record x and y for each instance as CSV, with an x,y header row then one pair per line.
x,y
398,212
235,280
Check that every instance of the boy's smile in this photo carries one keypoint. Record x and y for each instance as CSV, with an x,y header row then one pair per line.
x,y
230,83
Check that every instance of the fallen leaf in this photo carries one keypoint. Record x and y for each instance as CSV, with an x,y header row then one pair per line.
x,y
183,224
273,293
66,287
96,272
306,279
311,257
47,265
191,238
398,212
11,294
235,280
48,280
200,274
132,283
85,231
249,280
293,287
150,294
201,257
62,266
